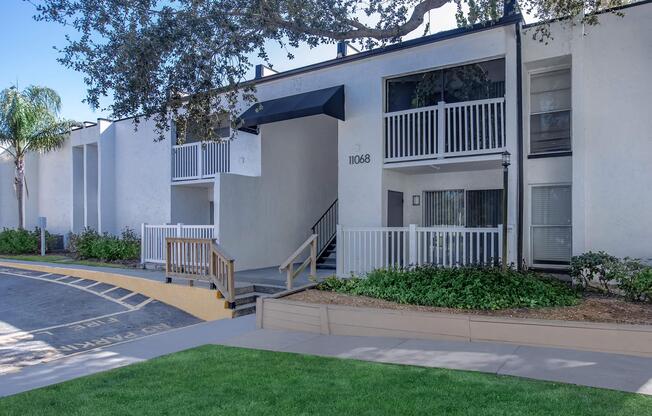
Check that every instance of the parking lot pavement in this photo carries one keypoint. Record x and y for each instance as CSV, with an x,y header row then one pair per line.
x,y
47,316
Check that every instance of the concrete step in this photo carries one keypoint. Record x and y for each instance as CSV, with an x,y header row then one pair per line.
x,y
268,289
249,298
246,309
245,299
326,266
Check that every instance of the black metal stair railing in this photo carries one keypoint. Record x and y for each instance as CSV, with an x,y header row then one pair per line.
x,y
326,228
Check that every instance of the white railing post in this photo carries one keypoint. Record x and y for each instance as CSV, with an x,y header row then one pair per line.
x,y
179,229
441,128
142,243
200,160
339,254
412,245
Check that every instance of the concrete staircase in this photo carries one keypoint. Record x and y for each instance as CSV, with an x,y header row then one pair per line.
x,y
246,295
328,259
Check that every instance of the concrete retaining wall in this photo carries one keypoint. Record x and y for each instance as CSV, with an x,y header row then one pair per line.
x,y
347,320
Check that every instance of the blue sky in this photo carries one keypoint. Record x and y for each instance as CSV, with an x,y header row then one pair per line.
x,y
29,56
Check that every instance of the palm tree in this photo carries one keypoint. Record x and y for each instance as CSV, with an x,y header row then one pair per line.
x,y
29,122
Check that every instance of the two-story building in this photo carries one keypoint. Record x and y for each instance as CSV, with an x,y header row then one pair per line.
x,y
408,154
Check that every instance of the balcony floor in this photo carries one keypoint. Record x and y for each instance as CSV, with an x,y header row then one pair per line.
x,y
452,164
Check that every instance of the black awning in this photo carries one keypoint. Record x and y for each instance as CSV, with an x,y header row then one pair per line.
x,y
329,101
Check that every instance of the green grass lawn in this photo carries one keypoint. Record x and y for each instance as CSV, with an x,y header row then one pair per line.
x,y
220,380
55,258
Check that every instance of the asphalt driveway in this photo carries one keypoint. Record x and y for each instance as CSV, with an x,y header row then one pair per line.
x,y
48,316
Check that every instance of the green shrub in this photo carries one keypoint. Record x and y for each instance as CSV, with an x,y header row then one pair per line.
x,y
19,241
464,288
590,266
89,244
636,282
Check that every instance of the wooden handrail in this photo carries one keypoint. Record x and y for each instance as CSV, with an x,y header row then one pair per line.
x,y
288,265
201,259
222,271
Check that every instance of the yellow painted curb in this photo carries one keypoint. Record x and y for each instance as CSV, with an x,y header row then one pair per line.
x,y
197,301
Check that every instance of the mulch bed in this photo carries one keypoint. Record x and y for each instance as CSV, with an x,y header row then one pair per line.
x,y
592,308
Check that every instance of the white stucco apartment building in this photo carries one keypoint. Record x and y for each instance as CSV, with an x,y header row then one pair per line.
x,y
393,156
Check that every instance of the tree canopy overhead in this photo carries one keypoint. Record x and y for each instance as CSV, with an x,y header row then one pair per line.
x,y
189,58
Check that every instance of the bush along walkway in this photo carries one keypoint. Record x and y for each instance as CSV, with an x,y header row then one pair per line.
x,y
461,287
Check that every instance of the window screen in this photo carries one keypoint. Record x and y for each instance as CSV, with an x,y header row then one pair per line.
x,y
551,224
550,112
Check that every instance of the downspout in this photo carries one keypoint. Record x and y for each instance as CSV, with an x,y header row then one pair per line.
x,y
519,145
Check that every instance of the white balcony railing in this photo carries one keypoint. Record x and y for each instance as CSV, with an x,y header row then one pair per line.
x,y
153,238
200,160
363,249
444,130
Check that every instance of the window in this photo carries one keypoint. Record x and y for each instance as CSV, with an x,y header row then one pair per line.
x,y
477,208
551,224
475,82
414,91
462,83
220,124
550,112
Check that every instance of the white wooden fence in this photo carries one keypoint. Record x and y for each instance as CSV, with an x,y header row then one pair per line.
x,y
200,160
152,248
363,249
446,129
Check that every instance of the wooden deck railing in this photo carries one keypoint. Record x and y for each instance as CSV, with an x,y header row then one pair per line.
x,y
222,271
200,259
288,265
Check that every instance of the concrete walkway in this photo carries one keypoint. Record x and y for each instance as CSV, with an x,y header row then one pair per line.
x,y
618,372
266,276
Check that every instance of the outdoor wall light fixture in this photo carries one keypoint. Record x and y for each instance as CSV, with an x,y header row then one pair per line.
x,y
506,159
416,200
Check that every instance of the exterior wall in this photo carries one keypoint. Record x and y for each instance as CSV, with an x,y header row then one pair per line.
x,y
48,190
245,154
142,176
282,180
191,204
8,204
55,188
611,130
262,220
361,196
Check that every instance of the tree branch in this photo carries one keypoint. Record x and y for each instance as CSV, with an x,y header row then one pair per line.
x,y
361,31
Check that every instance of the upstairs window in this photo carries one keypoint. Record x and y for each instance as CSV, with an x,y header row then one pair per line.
x,y
191,131
461,83
550,112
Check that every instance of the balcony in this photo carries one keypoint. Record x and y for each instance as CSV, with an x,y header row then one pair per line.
x,y
193,161
445,130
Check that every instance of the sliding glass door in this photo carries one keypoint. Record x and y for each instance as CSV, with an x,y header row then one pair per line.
x,y
460,208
